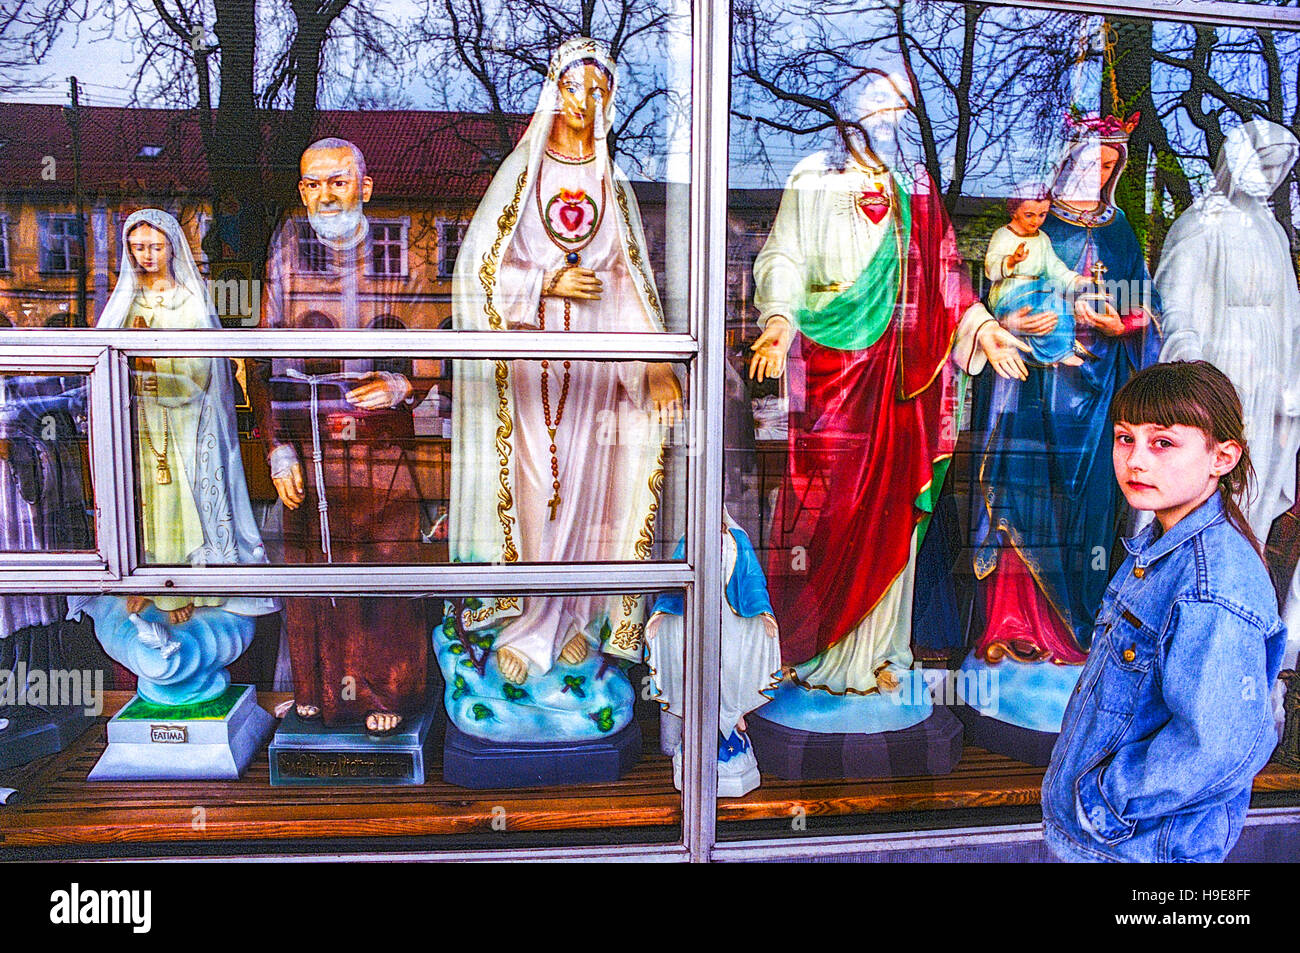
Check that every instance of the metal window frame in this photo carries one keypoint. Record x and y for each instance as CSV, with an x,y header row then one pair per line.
x,y
107,354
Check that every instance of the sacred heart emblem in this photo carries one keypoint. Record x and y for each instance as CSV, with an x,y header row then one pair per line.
x,y
570,215
571,210
874,204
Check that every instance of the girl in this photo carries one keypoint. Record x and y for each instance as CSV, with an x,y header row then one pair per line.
x,y
1171,717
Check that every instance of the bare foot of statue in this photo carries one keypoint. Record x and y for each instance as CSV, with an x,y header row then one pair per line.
x,y
307,711
183,614
512,665
887,681
382,722
576,650
136,604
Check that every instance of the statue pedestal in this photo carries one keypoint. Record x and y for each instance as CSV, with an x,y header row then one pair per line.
x,y
1001,737
932,747
307,752
207,741
1015,708
35,732
471,762
810,735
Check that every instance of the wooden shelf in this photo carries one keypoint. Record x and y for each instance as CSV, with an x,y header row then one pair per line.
x,y
56,806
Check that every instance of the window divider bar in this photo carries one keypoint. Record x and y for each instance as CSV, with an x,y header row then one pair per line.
x,y
112,476
261,342
440,579
710,97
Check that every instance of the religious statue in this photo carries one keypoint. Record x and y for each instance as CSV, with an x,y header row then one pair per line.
x,y
1025,271
43,508
356,660
1047,510
751,661
862,269
1228,283
193,509
556,245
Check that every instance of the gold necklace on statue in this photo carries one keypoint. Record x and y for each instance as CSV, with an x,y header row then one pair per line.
x,y
571,199
163,473
149,385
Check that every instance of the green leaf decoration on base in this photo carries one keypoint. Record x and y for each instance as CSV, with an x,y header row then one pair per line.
x,y
575,683
460,688
513,693
604,718
481,711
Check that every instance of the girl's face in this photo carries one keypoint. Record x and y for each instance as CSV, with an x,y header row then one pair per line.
x,y
1169,470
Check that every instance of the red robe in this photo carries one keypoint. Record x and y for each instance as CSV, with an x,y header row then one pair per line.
x,y
878,428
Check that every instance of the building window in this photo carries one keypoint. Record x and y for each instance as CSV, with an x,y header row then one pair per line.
x,y
388,248
450,236
313,256
60,248
4,242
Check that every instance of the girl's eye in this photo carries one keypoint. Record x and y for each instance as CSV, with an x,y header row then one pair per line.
x,y
1164,444
1123,438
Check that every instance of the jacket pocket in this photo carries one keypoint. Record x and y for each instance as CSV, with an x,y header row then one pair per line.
x,y
1130,648
1204,836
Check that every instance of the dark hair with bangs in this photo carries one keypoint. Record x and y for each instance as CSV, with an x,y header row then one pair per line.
x,y
1194,394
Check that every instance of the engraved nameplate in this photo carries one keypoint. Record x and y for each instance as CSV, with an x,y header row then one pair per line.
x,y
169,734
310,765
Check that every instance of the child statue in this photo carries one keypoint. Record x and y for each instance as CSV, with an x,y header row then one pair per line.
x,y
1026,271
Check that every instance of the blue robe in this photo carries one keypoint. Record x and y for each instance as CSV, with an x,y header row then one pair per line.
x,y
746,589
1043,479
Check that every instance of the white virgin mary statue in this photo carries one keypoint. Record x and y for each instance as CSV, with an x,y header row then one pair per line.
x,y
1230,297
558,461
194,506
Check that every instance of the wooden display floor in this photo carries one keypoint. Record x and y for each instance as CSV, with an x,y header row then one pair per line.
x,y
56,807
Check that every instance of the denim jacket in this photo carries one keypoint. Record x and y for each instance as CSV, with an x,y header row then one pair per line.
x,y
1171,718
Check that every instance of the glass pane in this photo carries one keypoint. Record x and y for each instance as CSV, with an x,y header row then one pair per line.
x,y
428,724
416,150
403,460
955,232
47,502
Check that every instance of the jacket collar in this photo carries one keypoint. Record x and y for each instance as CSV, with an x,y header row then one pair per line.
x,y
1147,547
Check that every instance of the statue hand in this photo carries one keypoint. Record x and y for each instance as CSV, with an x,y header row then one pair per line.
x,y
1017,256
665,393
572,282
770,626
652,626
770,349
382,391
1021,321
1000,346
288,486
1109,323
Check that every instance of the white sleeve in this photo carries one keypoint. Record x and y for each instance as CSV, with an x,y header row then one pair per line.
x,y
780,271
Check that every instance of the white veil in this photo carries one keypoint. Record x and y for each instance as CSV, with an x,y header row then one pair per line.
x,y
216,474
483,514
